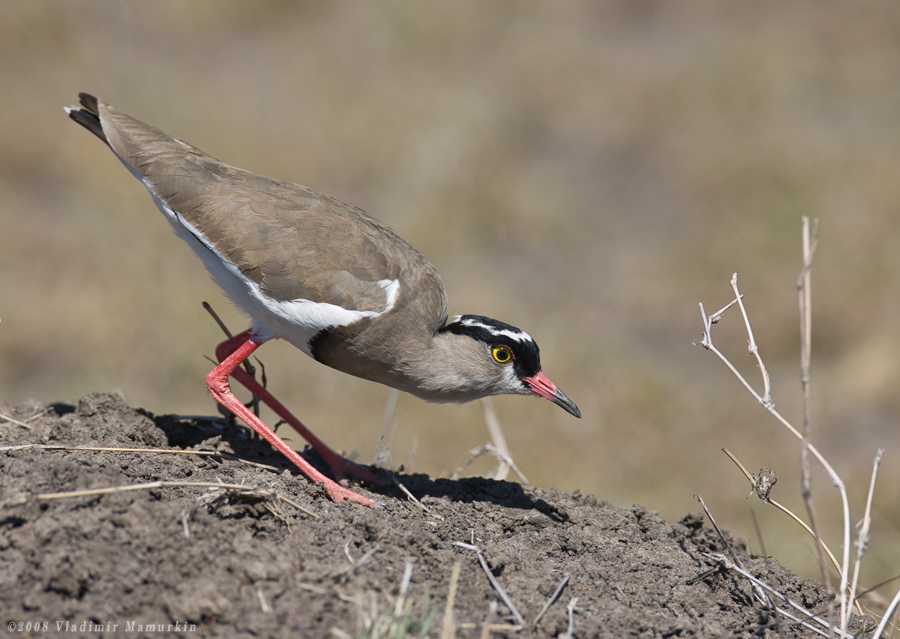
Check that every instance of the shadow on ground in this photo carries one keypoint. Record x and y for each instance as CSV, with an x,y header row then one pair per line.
x,y
181,559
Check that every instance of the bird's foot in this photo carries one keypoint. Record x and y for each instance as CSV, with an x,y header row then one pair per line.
x,y
344,470
338,493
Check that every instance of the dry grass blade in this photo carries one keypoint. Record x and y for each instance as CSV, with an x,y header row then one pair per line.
x,y
488,623
448,629
404,588
413,499
766,401
550,601
157,484
109,449
498,440
388,432
810,618
760,593
263,604
25,423
346,571
14,421
494,583
153,451
862,539
762,485
804,292
570,609
888,615
759,536
399,620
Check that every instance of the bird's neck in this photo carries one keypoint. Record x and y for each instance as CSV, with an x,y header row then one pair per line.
x,y
447,369
436,366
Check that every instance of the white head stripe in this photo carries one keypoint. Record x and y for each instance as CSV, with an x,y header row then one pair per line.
x,y
519,336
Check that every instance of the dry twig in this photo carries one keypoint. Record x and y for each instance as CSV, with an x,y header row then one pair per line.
x,y
448,630
888,614
251,370
499,441
570,609
807,617
862,540
27,421
762,485
489,449
804,293
496,584
237,488
497,447
550,601
155,451
388,431
766,401
760,594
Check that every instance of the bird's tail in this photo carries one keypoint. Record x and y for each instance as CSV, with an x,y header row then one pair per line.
x,y
88,116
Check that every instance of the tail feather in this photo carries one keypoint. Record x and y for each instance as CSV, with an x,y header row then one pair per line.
x,y
88,116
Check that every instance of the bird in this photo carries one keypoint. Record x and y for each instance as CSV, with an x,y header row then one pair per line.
x,y
325,276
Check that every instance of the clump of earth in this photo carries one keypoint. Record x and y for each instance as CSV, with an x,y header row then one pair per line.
x,y
178,559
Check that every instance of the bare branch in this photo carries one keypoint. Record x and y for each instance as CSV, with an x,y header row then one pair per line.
x,y
862,540
888,614
766,401
752,348
760,594
727,564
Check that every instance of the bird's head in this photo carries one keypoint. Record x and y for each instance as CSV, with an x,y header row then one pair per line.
x,y
513,358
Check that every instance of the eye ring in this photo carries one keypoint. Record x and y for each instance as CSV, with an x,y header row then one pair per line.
x,y
502,354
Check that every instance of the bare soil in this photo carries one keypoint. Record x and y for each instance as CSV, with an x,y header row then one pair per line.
x,y
179,561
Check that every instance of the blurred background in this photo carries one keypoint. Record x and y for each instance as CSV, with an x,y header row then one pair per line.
x,y
587,172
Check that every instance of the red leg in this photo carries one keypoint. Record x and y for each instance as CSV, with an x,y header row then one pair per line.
x,y
217,383
341,468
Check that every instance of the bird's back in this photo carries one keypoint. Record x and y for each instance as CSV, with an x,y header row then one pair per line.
x,y
289,242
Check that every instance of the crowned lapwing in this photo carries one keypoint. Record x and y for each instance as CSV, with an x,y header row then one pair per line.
x,y
327,277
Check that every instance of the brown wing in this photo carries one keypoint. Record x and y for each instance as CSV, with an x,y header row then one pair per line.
x,y
293,242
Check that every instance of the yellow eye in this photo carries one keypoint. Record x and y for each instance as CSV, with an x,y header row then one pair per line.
x,y
501,354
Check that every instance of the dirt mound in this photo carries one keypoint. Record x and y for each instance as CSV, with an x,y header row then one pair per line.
x,y
189,561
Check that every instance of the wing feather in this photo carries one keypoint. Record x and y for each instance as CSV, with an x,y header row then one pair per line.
x,y
293,242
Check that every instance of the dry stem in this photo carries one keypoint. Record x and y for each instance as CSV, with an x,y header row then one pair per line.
x,y
447,630
762,485
158,484
804,292
727,564
766,401
496,584
760,593
862,540
550,601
